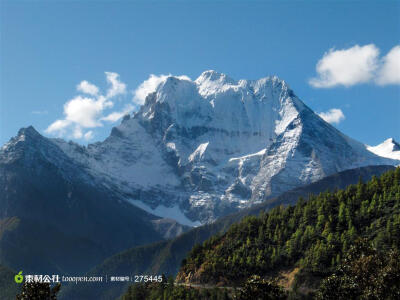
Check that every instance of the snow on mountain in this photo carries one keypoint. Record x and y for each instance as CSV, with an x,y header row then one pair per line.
x,y
173,212
389,148
214,145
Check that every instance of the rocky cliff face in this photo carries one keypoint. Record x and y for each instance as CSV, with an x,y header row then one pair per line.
x,y
200,149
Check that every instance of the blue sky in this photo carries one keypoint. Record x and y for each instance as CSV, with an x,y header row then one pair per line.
x,y
48,48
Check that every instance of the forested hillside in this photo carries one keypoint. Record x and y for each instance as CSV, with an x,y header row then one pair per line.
x,y
165,257
311,239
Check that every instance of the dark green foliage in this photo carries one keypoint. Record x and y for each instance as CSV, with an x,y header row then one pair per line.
x,y
166,256
254,289
170,291
364,274
260,289
38,291
314,235
8,287
319,236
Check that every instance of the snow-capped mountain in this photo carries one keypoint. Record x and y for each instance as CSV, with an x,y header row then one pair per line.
x,y
389,148
63,214
200,149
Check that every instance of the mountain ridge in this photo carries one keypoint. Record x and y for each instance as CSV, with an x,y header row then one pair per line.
x,y
61,214
214,145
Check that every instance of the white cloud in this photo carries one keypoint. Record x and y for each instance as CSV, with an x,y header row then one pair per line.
x,y
355,65
83,113
77,133
58,127
334,115
117,87
87,88
86,112
390,71
150,85
116,115
88,135
346,67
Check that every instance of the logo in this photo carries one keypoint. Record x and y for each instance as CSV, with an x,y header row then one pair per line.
x,y
19,277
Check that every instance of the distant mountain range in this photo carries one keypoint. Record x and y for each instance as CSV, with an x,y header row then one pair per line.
x,y
198,150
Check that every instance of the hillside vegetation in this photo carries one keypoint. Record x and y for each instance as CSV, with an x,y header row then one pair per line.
x,y
166,256
314,236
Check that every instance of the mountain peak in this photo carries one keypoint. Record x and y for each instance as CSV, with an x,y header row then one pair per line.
x,y
211,75
217,101
392,143
24,134
28,131
389,148
206,147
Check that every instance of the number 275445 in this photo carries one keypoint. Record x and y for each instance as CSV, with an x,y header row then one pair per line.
x,y
148,278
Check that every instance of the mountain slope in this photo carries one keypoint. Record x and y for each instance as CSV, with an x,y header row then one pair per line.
x,y
209,147
313,236
342,245
165,257
198,150
53,215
